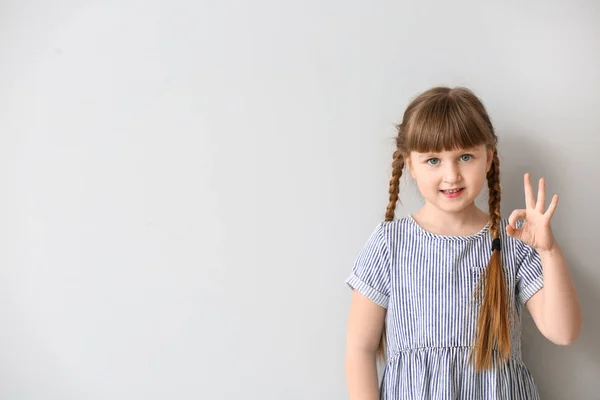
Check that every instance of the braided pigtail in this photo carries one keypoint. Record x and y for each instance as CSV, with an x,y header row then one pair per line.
x,y
397,167
493,322
394,190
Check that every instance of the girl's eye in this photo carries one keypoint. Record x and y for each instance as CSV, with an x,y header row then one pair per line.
x,y
433,161
466,157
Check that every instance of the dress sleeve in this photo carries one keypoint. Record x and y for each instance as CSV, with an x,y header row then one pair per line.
x,y
371,270
530,276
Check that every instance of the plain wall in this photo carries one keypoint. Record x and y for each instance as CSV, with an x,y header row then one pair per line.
x,y
185,185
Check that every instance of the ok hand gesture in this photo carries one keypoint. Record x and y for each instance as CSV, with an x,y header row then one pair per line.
x,y
536,231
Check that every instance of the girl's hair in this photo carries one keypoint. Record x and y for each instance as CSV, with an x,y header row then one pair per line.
x,y
442,119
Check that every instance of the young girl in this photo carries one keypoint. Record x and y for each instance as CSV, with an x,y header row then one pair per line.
x,y
439,293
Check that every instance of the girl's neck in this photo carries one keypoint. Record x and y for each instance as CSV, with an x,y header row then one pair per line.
x,y
462,223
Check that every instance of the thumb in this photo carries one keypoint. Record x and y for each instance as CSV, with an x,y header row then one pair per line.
x,y
516,233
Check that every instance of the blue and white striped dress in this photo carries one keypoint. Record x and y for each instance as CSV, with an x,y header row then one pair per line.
x,y
426,282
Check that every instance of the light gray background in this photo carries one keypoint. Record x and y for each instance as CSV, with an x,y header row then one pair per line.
x,y
186,184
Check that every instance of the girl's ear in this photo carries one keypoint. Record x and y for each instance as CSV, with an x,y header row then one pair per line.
x,y
490,159
408,163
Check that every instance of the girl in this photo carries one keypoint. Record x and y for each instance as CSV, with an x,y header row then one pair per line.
x,y
440,292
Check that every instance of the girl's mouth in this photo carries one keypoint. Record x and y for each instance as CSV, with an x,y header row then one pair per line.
x,y
452,193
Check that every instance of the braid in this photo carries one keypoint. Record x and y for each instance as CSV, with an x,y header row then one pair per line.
x,y
492,323
394,190
397,166
493,178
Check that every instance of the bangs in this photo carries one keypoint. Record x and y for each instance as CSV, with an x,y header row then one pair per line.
x,y
446,123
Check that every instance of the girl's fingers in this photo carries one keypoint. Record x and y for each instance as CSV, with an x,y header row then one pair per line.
x,y
515,216
511,231
541,200
552,207
529,199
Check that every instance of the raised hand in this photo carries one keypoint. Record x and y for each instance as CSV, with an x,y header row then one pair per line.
x,y
536,231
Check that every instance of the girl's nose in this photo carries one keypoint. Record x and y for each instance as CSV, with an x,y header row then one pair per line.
x,y
452,174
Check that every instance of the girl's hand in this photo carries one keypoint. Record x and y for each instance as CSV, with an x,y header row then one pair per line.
x,y
536,230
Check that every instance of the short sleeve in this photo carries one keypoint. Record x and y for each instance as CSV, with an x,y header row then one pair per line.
x,y
371,270
530,277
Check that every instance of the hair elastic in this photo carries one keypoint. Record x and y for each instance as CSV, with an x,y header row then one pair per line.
x,y
496,245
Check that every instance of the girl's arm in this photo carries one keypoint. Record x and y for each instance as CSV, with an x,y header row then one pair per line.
x,y
365,325
555,308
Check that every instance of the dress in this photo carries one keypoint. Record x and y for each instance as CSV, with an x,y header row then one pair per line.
x,y
426,281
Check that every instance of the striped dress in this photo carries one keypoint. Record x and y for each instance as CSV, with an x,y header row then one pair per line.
x,y
426,282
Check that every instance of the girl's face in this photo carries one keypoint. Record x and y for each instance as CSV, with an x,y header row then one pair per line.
x,y
451,180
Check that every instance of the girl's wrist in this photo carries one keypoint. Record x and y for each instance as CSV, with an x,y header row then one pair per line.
x,y
552,251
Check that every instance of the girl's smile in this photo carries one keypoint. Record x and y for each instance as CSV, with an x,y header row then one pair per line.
x,y
452,193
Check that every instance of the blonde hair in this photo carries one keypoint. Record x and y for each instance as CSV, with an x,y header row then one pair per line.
x,y
443,119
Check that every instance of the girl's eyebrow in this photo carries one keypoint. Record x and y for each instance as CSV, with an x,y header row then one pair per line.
x,y
429,155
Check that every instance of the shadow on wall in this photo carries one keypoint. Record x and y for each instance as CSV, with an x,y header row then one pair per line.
x,y
560,372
